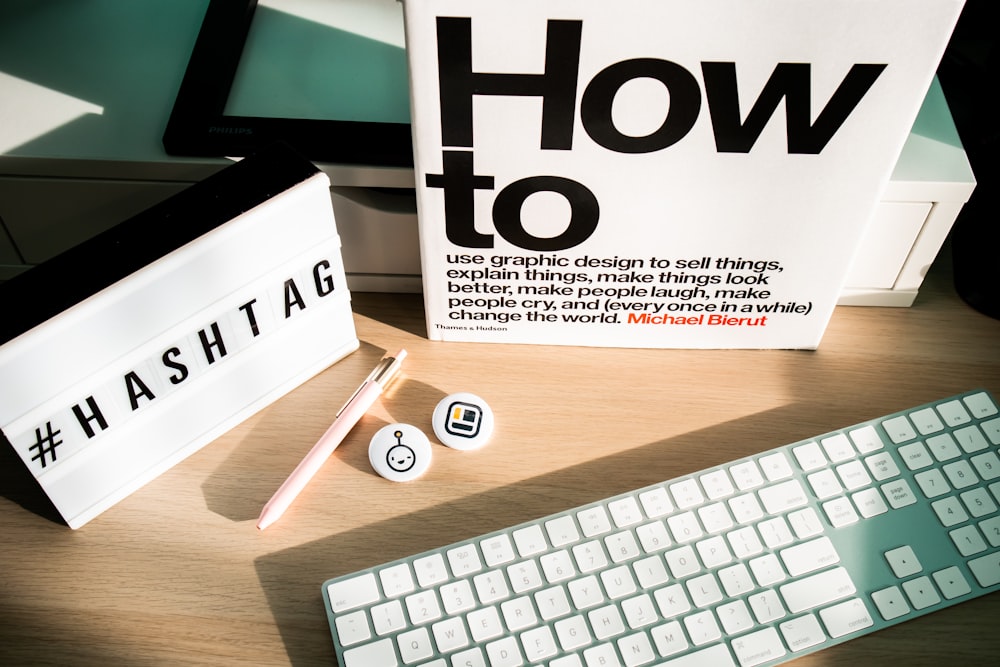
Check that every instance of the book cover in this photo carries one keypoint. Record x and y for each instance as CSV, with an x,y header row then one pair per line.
x,y
124,355
656,173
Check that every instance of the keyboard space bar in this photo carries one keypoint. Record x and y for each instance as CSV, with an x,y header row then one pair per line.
x,y
713,656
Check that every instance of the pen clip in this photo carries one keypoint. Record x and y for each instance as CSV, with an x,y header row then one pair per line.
x,y
381,375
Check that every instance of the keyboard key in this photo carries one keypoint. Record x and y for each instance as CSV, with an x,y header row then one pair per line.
x,y
504,653
557,566
396,580
758,647
717,656
717,485
944,447
656,502
921,593
491,586
991,529
980,405
415,645
817,590
651,572
594,521
653,536
898,494
524,576
978,502
932,483
618,582
636,650
622,546
589,556
639,611
353,593
882,466
988,465
840,512
552,603
783,497
809,556
971,439
562,531
903,561
869,503
450,635
766,606
376,653
954,413
809,456
625,512
518,613
846,617
735,617
672,601
952,583
353,628
775,466
915,456
606,622
767,570
497,550
891,603
899,429
950,511
968,541
702,628
802,632
986,569
538,644
926,421
485,624
838,448
866,439
992,430
960,474
529,540
388,617
805,523
430,570
572,633
686,494
746,475
457,596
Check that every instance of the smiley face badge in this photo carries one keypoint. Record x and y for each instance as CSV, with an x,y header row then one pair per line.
x,y
399,452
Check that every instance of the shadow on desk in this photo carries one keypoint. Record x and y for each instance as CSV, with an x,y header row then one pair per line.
x,y
292,578
18,485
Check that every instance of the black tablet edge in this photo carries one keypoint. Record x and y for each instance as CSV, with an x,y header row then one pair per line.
x,y
43,291
198,126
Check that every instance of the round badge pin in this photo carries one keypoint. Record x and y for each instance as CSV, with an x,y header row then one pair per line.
x,y
463,421
400,452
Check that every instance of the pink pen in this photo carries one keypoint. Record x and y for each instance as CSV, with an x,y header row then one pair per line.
x,y
349,415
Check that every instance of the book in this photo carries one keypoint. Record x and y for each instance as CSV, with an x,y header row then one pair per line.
x,y
656,173
131,351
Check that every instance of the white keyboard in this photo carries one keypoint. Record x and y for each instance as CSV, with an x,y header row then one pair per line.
x,y
754,562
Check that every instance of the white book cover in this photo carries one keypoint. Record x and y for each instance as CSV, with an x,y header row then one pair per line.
x,y
656,173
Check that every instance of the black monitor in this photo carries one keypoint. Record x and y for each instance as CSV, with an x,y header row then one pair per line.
x,y
328,77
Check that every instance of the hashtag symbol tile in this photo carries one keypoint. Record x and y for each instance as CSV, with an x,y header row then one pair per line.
x,y
46,445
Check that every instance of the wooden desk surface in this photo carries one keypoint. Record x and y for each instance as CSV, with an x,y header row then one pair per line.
x,y
177,574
